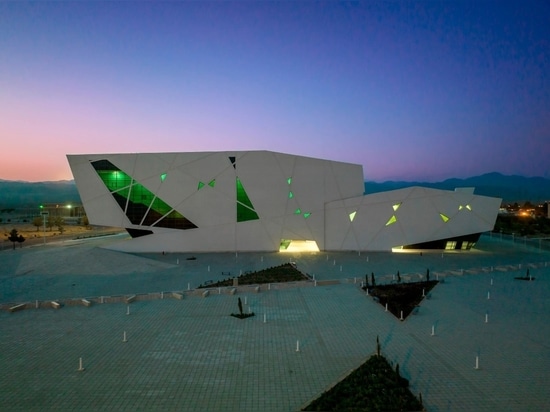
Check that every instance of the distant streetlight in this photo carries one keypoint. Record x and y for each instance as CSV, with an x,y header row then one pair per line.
x,y
44,214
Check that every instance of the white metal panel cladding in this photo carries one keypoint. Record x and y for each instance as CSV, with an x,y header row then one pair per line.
x,y
250,201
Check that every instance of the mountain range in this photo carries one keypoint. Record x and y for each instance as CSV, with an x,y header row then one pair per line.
x,y
509,188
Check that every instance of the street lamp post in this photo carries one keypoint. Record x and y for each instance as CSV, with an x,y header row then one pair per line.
x,y
44,214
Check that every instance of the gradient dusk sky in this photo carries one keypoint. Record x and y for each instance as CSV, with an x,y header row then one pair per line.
x,y
411,90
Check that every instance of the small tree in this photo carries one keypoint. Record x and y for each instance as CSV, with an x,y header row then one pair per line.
x,y
427,275
20,240
377,346
37,221
60,223
85,221
398,277
366,280
373,282
13,237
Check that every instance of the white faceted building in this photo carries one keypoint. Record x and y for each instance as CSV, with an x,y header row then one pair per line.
x,y
268,201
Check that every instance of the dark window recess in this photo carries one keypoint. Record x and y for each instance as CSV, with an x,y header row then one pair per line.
x,y
121,200
135,212
468,241
138,232
152,217
175,220
104,166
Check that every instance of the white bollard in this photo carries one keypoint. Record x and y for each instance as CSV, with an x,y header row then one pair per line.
x,y
102,299
486,318
249,309
297,346
80,367
219,291
124,337
262,259
477,362
189,286
354,280
269,286
401,318
36,304
367,258
367,291
491,281
313,276
177,261
245,300
315,283
433,330
386,307
488,295
240,272
423,292
162,295
334,262
128,309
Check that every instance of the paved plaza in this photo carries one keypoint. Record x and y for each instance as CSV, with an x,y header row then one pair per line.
x,y
164,353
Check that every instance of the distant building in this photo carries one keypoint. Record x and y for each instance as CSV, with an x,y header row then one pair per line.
x,y
268,201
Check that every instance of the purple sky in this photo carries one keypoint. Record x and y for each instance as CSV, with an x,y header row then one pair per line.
x,y
412,91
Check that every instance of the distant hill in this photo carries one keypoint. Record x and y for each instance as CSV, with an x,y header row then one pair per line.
x,y
16,194
510,188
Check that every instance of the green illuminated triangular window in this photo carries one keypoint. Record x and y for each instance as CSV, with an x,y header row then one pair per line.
x,y
297,211
200,186
396,206
162,177
242,197
392,220
244,213
352,216
443,217
245,209
306,215
460,207
289,180
290,195
468,207
212,183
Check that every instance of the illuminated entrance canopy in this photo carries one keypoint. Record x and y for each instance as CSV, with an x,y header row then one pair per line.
x,y
266,201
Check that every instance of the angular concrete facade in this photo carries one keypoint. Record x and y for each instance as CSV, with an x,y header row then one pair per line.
x,y
266,201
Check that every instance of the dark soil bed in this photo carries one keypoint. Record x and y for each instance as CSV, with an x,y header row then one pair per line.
x,y
374,386
283,273
242,315
402,296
